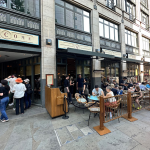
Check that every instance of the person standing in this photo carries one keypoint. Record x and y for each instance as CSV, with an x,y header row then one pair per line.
x,y
71,86
19,90
4,99
66,88
85,89
80,84
27,94
11,80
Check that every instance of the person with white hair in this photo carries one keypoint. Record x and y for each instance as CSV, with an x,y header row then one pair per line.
x,y
27,94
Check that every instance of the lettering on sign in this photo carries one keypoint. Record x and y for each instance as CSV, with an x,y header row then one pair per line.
x,y
66,45
109,52
134,57
10,35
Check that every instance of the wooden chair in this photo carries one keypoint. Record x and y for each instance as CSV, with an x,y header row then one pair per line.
x,y
115,106
145,97
80,99
92,109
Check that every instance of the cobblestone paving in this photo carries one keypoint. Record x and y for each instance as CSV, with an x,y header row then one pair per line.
x,y
36,130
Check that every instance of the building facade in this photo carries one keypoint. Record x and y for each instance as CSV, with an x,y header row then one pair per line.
x,y
103,40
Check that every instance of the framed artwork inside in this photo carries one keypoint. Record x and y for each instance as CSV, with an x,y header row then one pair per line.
x,y
49,79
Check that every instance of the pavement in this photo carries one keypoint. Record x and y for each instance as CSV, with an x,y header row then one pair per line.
x,y
36,130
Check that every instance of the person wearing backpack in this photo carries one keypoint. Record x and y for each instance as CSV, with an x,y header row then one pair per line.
x,y
28,93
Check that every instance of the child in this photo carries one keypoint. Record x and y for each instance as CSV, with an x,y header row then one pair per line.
x,y
120,92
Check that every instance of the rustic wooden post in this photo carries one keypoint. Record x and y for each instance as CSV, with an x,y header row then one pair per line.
x,y
129,105
102,111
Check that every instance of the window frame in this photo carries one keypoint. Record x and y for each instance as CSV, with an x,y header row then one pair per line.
x,y
109,2
144,3
146,18
131,34
74,10
145,41
109,26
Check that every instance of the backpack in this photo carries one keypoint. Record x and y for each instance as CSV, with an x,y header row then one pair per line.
x,y
29,89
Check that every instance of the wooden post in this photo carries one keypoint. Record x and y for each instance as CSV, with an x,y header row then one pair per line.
x,y
102,111
101,129
129,109
129,105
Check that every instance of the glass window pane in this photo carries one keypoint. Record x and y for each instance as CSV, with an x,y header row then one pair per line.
x,y
106,22
129,39
100,19
111,24
116,35
111,33
59,15
86,24
86,13
101,29
126,38
3,3
69,18
79,22
69,6
78,10
60,2
18,5
106,31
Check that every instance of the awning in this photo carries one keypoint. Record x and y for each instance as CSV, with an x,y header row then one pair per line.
x,y
132,60
83,52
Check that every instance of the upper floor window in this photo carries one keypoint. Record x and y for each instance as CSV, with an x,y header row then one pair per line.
x,y
144,19
129,8
111,3
144,2
31,7
131,38
108,30
145,43
71,16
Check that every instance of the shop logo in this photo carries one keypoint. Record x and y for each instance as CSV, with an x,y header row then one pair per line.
x,y
6,34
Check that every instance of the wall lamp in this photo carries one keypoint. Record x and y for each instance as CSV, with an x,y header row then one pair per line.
x,y
48,42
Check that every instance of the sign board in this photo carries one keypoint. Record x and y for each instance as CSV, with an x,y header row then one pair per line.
x,y
10,35
147,59
109,52
66,45
136,57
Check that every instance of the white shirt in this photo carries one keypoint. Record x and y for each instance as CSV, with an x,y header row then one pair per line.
x,y
19,90
12,82
99,92
113,99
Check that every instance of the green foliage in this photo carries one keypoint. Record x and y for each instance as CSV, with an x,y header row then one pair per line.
x,y
18,5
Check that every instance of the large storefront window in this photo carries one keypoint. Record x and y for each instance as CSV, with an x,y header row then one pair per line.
x,y
108,30
130,38
71,16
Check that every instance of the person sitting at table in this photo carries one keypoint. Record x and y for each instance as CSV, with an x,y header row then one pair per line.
x,y
111,99
97,91
148,85
120,91
137,89
142,86
114,89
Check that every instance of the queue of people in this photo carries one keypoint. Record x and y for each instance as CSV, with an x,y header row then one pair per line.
x,y
14,91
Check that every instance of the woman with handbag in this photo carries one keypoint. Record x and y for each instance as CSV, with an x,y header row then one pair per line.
x,y
85,89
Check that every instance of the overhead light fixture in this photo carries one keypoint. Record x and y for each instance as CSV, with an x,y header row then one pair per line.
x,y
97,50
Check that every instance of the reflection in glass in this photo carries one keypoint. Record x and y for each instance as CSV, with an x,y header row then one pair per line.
x,y
18,5
79,70
3,3
87,72
106,31
59,15
86,24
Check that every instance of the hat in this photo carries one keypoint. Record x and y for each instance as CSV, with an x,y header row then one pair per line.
x,y
19,80
26,80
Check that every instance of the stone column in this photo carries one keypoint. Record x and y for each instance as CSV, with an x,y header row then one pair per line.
x,y
138,12
96,76
48,57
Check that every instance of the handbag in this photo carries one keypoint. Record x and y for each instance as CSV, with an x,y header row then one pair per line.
x,y
86,92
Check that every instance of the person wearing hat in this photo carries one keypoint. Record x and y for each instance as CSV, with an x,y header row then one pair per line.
x,y
97,91
27,94
4,99
19,90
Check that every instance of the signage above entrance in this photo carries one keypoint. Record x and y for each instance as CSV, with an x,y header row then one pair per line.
x,y
116,54
20,37
66,45
147,59
136,57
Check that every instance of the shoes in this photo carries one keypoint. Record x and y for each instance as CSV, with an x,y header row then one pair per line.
x,y
133,106
14,109
5,120
11,104
139,107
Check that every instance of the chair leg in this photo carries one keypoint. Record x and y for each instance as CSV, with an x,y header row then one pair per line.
x,y
89,118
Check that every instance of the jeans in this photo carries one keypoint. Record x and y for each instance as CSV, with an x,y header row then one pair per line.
x,y
27,100
19,100
11,97
3,104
